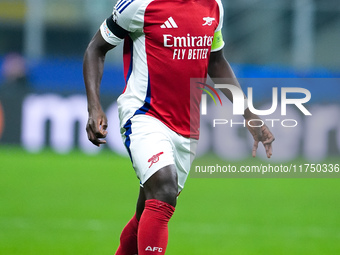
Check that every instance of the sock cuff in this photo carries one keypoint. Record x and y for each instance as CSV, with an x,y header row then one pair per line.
x,y
159,206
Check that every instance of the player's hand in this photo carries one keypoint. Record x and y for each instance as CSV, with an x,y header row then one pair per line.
x,y
96,127
262,134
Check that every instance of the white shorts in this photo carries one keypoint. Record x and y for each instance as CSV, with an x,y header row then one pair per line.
x,y
152,146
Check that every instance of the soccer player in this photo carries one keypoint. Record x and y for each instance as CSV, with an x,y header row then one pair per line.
x,y
166,43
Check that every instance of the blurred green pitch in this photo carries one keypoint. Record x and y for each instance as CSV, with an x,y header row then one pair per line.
x,y
78,204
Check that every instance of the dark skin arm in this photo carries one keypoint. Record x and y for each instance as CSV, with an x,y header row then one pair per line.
x,y
220,69
93,66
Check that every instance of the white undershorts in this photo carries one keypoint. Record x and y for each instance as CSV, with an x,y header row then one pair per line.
x,y
152,146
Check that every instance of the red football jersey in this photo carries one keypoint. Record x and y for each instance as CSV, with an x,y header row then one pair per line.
x,y
168,44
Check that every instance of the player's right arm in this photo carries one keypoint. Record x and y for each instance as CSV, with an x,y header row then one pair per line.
x,y
125,19
93,66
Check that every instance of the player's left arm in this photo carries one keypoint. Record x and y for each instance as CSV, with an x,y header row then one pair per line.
x,y
220,69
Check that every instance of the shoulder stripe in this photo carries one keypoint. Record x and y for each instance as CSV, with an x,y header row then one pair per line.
x,y
119,3
122,5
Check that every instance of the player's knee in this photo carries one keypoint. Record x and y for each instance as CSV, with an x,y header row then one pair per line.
x,y
167,193
163,185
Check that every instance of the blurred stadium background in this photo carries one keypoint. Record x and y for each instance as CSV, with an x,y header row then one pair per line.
x,y
57,198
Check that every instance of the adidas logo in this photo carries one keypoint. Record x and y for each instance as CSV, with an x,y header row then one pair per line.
x,y
170,23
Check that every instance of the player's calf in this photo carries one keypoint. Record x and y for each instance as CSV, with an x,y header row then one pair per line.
x,y
161,194
153,227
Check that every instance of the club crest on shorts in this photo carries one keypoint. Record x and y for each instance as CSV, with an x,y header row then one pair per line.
x,y
154,158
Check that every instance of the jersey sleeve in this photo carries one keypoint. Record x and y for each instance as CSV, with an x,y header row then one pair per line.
x,y
218,42
127,17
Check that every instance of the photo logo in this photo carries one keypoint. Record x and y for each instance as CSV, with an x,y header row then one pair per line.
x,y
207,91
242,102
204,96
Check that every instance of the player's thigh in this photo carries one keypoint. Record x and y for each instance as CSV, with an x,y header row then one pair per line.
x,y
149,146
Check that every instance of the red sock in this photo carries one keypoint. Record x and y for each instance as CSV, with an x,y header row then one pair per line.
x,y
128,238
153,227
